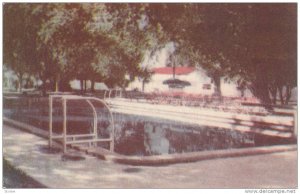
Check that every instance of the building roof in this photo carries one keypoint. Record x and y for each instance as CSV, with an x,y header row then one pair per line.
x,y
169,70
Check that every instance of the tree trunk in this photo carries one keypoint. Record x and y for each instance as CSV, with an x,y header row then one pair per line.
x,y
264,96
93,85
85,85
143,86
280,88
261,91
81,85
288,94
273,92
243,92
217,81
56,85
43,87
20,80
173,70
20,85
260,88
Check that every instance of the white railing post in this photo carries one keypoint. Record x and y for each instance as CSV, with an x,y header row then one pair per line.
x,y
104,97
112,134
94,135
295,132
50,120
65,124
110,91
95,118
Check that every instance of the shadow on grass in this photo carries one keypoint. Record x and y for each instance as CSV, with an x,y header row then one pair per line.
x,y
15,178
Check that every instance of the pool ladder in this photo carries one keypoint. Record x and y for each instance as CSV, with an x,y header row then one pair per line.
x,y
68,139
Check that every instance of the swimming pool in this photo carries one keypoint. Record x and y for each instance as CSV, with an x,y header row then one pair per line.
x,y
137,135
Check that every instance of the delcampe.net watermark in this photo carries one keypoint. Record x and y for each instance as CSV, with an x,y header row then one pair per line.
x,y
277,191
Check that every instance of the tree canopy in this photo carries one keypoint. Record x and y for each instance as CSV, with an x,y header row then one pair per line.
x,y
101,42
255,44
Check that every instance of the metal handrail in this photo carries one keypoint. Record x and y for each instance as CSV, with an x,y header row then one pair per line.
x,y
95,117
106,91
65,136
110,91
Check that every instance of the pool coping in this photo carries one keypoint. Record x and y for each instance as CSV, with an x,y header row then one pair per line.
x,y
157,160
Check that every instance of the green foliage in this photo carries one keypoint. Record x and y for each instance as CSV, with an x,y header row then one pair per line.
x,y
253,43
102,42
19,40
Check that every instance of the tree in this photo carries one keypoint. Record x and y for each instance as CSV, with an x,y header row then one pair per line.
x,y
97,42
254,42
18,40
145,77
183,24
126,26
267,49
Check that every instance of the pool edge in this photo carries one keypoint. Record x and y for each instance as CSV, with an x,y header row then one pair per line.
x,y
158,160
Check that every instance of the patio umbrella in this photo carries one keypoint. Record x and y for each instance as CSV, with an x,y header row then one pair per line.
x,y
176,82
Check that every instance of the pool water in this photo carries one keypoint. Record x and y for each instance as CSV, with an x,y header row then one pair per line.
x,y
134,134
143,136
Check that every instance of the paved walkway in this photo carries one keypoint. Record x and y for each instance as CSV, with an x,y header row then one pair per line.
x,y
25,152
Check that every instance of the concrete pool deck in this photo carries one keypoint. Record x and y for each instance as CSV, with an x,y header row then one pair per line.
x,y
24,151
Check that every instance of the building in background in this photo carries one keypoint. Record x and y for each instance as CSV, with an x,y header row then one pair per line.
x,y
200,83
